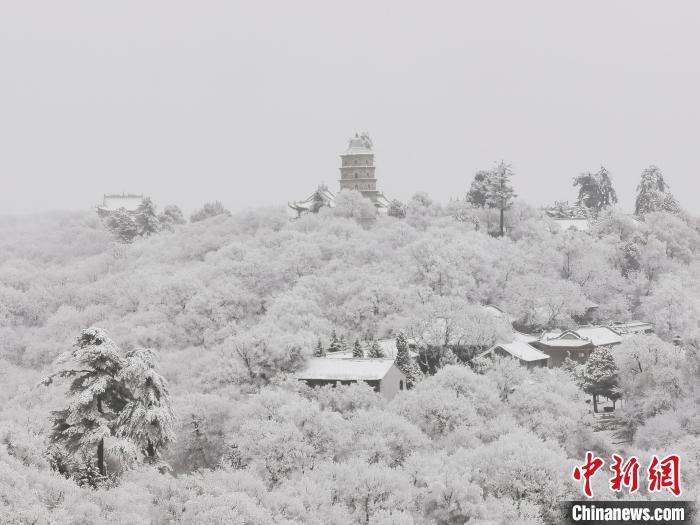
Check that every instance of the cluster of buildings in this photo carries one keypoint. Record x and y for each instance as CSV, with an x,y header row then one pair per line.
x,y
551,349
357,172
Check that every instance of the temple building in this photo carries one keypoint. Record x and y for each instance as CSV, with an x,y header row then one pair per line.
x,y
114,202
314,202
357,172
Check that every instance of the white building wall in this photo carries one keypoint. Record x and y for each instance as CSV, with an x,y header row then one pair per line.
x,y
391,384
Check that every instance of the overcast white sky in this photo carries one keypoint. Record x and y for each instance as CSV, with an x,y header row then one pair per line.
x,y
251,102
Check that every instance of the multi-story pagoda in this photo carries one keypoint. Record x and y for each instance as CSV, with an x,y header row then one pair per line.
x,y
356,173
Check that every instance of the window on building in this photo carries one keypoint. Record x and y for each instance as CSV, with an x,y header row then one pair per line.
x,y
401,385
355,175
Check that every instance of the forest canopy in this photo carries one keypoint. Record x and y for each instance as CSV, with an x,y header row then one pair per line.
x,y
233,304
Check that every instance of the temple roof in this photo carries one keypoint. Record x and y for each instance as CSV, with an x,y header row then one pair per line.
x,y
321,195
522,351
360,144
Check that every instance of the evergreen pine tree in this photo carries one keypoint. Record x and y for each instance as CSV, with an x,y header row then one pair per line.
x,y
146,219
147,419
198,444
110,396
357,351
653,194
320,351
335,343
122,226
375,350
96,396
595,190
405,362
85,472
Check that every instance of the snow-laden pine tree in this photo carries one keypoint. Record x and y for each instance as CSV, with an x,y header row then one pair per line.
x,y
357,351
600,376
320,351
95,397
335,345
595,190
653,194
86,473
146,219
122,225
374,350
147,419
493,189
405,362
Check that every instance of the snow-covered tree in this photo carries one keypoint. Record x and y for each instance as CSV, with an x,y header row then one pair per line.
x,y
405,362
85,471
397,209
96,396
122,225
171,216
357,351
600,376
495,190
595,190
210,209
653,194
352,204
335,345
319,351
146,219
476,196
147,419
374,350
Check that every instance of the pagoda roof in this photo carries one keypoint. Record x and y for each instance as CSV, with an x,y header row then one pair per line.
x,y
327,196
360,144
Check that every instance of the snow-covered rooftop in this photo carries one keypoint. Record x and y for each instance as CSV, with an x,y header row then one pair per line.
x,y
566,339
321,197
522,351
360,144
632,328
128,202
600,335
322,368
524,338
